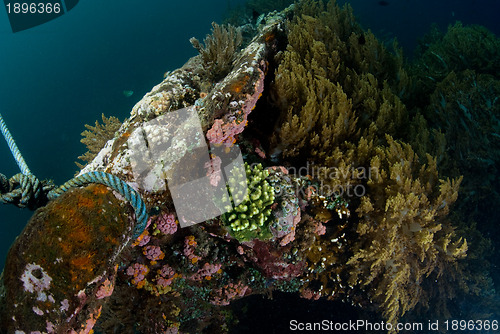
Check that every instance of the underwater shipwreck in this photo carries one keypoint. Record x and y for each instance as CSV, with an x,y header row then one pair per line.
x,y
296,154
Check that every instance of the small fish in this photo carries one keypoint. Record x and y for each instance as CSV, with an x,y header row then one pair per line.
x,y
383,3
128,93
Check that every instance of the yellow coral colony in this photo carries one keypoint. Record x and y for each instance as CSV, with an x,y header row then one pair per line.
x,y
336,88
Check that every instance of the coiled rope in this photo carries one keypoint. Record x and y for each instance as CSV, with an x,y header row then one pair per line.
x,y
25,190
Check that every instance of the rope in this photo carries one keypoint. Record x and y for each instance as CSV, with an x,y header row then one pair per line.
x,y
25,190
114,183
13,148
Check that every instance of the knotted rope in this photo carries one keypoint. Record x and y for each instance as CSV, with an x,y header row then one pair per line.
x,y
25,190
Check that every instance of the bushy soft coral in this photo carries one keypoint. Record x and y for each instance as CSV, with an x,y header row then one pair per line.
x,y
404,233
219,50
333,85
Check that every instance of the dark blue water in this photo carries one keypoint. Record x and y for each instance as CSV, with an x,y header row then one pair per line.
x,y
61,75
409,20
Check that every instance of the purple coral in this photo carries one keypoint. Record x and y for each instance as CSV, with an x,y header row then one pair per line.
x,y
319,229
166,223
166,271
143,239
105,290
139,271
216,135
213,170
225,131
190,245
153,253
207,270
166,274
172,330
224,295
